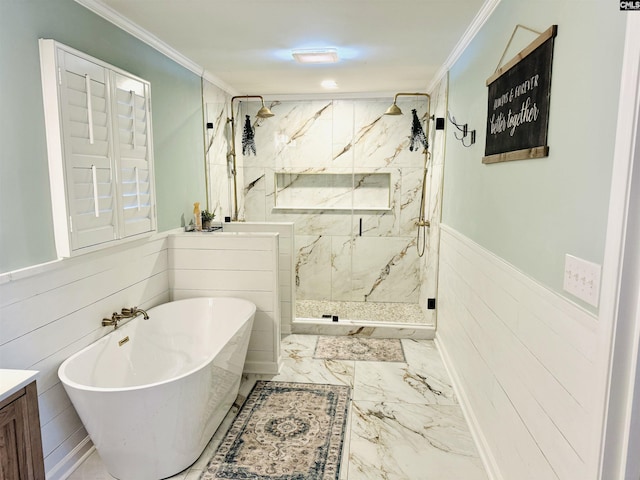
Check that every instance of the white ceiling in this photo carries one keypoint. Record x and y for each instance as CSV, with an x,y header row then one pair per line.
x,y
385,45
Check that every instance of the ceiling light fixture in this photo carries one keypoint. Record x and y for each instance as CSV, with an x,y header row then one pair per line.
x,y
329,84
315,55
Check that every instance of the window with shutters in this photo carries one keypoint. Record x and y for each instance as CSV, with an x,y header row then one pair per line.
x,y
98,122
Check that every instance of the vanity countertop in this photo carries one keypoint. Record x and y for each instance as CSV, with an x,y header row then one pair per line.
x,y
13,380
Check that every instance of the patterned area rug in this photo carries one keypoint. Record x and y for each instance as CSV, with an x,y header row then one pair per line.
x,y
284,431
358,348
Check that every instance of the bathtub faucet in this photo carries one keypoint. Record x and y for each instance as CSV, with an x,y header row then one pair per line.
x,y
125,313
134,312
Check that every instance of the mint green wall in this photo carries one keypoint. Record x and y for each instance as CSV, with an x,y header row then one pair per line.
x,y
532,212
26,231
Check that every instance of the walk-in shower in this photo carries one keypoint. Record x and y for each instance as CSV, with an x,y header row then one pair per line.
x,y
345,175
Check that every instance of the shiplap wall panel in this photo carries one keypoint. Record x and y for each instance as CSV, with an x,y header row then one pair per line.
x,y
58,429
55,275
519,353
217,279
483,396
254,277
554,360
196,240
53,402
219,260
43,341
49,312
286,248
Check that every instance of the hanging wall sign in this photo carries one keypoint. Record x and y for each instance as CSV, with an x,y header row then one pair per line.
x,y
518,106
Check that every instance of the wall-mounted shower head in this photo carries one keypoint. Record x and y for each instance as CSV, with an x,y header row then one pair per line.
x,y
393,110
264,112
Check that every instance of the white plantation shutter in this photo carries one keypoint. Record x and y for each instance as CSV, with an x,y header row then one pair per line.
x,y
86,119
134,152
99,139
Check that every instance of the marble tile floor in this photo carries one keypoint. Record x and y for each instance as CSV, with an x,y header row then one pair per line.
x,y
404,424
372,311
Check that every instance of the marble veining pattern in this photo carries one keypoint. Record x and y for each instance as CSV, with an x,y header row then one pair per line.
x,y
337,136
404,420
340,137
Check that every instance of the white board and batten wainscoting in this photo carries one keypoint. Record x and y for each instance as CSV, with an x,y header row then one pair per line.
x,y
524,361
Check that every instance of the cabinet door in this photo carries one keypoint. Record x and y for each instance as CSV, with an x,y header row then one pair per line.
x,y
15,451
9,444
86,120
20,440
132,124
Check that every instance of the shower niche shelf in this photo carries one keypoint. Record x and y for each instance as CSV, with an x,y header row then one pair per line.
x,y
332,191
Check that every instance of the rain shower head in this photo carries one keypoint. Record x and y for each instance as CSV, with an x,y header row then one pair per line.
x,y
264,112
393,110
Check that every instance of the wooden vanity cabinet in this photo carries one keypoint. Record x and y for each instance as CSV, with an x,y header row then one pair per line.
x,y
20,440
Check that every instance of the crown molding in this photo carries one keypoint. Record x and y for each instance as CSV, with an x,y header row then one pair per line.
x,y
115,18
211,78
472,30
109,14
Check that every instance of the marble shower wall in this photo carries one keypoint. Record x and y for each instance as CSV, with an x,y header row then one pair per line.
x,y
216,110
335,262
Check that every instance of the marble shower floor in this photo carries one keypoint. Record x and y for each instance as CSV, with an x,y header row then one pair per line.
x,y
370,311
405,422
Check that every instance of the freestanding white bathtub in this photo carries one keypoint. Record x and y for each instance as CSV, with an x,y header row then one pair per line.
x,y
153,392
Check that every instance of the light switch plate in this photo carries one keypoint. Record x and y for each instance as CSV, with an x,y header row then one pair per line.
x,y
582,279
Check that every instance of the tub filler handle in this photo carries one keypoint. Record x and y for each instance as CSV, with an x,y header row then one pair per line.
x,y
124,313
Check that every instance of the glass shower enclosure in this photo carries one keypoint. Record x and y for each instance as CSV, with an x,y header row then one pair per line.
x,y
342,172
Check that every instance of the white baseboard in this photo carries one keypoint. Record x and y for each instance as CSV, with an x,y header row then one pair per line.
x,y
488,460
261,368
73,460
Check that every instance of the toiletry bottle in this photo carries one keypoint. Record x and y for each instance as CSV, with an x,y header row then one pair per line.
x,y
198,217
